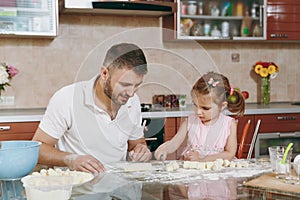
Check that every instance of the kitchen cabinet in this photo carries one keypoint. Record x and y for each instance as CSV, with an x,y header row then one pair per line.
x,y
171,127
270,123
283,20
17,130
29,18
130,8
217,20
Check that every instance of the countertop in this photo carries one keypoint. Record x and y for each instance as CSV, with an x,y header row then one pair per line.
x,y
36,114
115,183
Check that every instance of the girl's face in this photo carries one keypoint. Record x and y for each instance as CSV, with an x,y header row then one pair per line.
x,y
206,109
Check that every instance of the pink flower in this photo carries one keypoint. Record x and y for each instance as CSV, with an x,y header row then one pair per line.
x,y
12,70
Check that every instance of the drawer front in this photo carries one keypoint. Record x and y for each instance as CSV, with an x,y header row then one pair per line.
x,y
18,130
279,123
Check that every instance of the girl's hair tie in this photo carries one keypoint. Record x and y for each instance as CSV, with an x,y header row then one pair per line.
x,y
231,91
212,82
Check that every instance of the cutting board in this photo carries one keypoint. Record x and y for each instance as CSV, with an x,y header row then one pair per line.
x,y
270,182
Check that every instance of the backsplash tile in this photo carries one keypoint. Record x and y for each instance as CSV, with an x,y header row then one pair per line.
x,y
48,64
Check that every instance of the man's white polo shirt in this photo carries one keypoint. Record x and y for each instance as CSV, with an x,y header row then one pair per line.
x,y
83,128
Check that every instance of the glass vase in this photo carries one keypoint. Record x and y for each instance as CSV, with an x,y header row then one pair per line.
x,y
265,90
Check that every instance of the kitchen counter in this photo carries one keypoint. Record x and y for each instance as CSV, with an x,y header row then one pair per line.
x,y
36,114
159,184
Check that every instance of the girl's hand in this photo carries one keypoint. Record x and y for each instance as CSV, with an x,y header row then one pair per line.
x,y
192,155
161,152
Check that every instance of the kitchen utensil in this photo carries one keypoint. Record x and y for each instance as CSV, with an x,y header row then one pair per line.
x,y
286,153
253,139
18,158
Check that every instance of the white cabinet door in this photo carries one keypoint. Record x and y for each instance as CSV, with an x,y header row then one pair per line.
x,y
29,18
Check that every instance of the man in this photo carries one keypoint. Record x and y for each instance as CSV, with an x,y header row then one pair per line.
x,y
90,123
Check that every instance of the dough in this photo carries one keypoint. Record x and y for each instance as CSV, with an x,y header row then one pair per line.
x,y
216,167
131,167
172,166
226,163
209,165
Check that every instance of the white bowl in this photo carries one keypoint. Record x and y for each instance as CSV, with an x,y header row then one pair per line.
x,y
48,187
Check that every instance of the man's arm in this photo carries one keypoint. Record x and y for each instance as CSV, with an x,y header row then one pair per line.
x,y
51,156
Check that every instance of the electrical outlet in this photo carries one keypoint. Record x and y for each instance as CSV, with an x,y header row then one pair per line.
x,y
235,57
7,100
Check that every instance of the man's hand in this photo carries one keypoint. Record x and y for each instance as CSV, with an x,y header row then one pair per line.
x,y
85,163
140,153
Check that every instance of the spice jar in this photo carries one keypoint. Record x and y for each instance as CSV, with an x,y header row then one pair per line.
x,y
183,8
200,8
191,7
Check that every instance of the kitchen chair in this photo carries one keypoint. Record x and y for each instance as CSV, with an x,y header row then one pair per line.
x,y
242,141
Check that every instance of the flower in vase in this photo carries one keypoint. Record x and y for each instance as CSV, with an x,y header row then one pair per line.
x,y
7,72
266,69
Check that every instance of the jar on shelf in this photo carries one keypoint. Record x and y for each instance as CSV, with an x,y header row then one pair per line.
x,y
225,29
200,8
214,11
215,32
192,7
206,29
183,8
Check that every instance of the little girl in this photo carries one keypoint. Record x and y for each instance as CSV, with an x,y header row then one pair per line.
x,y
210,133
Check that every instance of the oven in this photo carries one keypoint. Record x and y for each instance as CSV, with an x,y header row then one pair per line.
x,y
264,140
154,132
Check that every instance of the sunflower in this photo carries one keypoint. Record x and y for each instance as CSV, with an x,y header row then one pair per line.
x,y
257,68
266,69
264,72
271,69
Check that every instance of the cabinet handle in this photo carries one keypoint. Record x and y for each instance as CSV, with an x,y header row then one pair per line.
x,y
4,128
281,35
283,118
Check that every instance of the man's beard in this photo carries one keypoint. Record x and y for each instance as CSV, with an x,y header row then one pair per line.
x,y
109,92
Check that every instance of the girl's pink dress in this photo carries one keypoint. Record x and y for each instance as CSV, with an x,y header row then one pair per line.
x,y
208,139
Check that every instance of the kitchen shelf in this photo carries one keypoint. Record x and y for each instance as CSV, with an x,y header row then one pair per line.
x,y
246,25
208,17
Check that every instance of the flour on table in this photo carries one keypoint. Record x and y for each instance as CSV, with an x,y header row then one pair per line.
x,y
132,167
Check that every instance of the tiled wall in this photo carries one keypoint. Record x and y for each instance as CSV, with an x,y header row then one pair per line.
x,y
76,53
